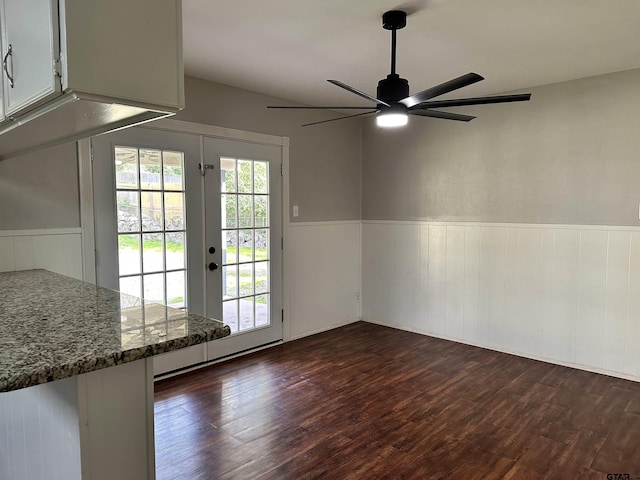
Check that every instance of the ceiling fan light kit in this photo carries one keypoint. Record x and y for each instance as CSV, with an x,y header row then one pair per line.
x,y
392,100
392,117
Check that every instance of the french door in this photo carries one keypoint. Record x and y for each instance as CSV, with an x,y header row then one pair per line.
x,y
193,222
243,228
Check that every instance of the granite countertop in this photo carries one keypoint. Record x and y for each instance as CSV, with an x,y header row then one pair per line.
x,y
53,327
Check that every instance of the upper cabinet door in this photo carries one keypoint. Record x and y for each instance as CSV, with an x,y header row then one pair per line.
x,y
2,116
30,49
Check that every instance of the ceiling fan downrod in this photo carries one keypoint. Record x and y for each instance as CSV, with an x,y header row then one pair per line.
x,y
394,20
393,88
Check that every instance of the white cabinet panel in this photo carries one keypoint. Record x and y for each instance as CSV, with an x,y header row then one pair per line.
x,y
30,46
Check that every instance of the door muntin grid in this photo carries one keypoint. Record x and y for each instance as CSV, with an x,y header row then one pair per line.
x,y
151,217
246,255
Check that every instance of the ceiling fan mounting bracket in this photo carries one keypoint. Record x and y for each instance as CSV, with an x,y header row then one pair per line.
x,y
394,20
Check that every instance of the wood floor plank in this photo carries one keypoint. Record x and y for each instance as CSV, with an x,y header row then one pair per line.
x,y
371,402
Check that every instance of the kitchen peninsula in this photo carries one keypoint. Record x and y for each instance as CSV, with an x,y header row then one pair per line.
x,y
76,378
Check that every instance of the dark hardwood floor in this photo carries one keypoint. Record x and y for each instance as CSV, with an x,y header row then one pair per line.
x,y
370,402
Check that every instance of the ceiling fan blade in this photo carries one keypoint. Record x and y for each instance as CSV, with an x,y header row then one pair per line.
x,y
339,118
441,89
349,88
320,108
521,97
445,115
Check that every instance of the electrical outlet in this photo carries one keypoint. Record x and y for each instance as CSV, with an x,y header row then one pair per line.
x,y
357,296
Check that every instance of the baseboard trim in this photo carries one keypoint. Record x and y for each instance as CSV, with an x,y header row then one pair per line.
x,y
324,329
197,366
600,371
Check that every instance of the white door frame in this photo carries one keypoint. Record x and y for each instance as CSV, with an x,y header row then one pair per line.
x,y
179,126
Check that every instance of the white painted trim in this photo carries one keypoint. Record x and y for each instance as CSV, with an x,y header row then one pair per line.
x,y
324,223
85,180
514,353
208,363
286,259
324,329
44,231
360,260
150,396
180,126
626,228
192,128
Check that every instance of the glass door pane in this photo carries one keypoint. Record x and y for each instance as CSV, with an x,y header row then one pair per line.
x,y
244,195
150,205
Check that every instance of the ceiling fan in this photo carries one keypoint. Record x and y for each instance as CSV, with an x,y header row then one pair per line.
x,y
393,102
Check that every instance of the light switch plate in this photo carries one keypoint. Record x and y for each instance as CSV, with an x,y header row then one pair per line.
x,y
295,210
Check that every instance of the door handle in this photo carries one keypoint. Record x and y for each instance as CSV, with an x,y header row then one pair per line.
x,y
213,266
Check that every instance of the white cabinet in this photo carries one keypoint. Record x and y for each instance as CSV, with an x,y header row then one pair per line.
x,y
78,68
30,52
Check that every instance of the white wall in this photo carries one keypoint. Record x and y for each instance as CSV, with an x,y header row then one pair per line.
x,y
563,294
569,156
322,276
57,250
40,190
324,161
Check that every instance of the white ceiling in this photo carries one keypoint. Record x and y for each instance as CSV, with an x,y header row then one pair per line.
x,y
289,48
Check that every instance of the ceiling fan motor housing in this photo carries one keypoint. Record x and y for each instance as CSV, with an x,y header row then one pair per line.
x,y
393,88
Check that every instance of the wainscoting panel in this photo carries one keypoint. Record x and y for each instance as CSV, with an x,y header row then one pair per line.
x,y
615,314
322,283
57,250
561,293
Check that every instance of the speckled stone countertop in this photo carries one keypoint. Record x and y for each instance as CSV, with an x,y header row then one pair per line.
x,y
53,327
